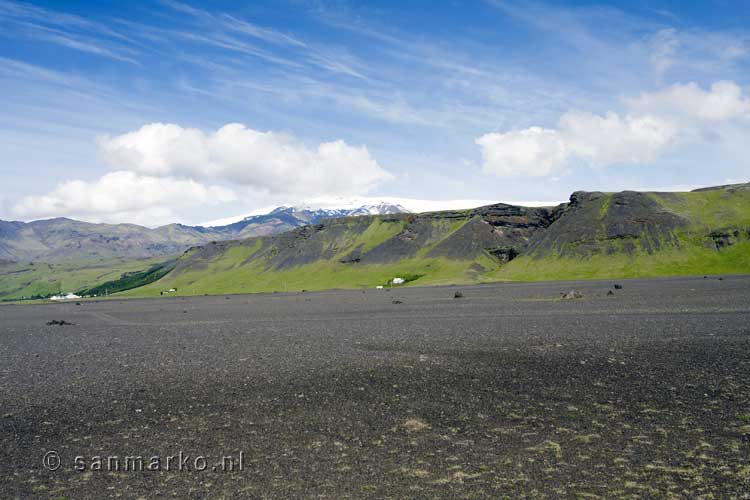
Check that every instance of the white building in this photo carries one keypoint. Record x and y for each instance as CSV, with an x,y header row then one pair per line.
x,y
65,297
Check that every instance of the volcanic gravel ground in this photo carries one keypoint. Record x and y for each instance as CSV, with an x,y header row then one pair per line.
x,y
508,392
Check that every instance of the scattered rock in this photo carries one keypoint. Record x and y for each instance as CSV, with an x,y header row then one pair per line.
x,y
458,295
504,254
724,238
573,294
618,286
60,322
415,425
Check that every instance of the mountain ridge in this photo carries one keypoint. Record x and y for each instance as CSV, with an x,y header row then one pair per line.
x,y
594,235
61,238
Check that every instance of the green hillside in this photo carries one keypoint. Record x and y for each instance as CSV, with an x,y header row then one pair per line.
x,y
710,235
438,248
38,279
596,235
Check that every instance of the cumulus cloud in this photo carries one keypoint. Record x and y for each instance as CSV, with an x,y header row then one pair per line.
x,y
533,152
600,140
265,161
725,100
122,195
612,139
162,171
655,122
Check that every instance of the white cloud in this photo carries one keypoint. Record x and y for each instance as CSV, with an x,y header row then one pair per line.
x,y
122,195
600,140
654,123
533,152
266,161
162,172
724,101
613,140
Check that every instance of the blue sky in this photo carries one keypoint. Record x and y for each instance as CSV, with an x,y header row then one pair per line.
x,y
154,112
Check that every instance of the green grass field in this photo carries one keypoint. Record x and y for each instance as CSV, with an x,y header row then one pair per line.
x,y
690,261
27,280
224,276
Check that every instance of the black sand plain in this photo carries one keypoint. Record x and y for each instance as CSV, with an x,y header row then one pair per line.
x,y
507,392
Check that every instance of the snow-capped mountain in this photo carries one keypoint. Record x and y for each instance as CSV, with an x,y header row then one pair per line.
x,y
284,218
381,208
60,239
276,220
312,212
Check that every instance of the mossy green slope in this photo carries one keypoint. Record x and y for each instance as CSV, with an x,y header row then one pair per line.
x,y
439,248
597,235
700,232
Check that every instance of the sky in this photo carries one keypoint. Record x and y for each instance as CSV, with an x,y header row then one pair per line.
x,y
187,111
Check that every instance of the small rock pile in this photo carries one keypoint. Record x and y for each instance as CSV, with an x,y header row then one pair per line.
x,y
59,322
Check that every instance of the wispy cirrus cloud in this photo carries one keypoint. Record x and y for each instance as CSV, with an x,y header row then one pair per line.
x,y
315,55
66,30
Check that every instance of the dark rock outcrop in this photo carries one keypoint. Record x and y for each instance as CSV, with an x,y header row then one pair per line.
x,y
723,238
599,223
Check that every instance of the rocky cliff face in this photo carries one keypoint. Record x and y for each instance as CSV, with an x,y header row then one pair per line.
x,y
598,223
500,231
591,224
594,235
